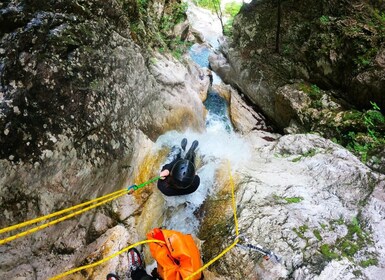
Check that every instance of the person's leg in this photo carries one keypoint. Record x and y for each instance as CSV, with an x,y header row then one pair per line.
x,y
183,144
190,155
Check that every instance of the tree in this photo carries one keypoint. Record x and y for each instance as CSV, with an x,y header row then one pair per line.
x,y
218,11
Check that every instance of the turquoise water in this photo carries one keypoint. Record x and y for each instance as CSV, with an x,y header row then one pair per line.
x,y
218,116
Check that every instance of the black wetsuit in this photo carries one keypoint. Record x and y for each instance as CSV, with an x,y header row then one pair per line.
x,y
165,186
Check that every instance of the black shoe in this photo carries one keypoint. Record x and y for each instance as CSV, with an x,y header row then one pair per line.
x,y
134,260
190,155
194,145
111,276
183,144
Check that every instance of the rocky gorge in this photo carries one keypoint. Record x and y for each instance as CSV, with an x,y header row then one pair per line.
x,y
91,103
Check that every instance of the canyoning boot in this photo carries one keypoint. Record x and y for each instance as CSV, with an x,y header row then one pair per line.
x,y
183,144
111,276
194,145
135,261
190,155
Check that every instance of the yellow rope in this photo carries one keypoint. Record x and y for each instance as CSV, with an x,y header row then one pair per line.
x,y
105,259
148,241
213,260
233,200
27,232
58,212
117,194
236,230
103,199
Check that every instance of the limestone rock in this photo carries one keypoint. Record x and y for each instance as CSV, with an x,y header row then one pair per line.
x,y
243,117
310,47
294,197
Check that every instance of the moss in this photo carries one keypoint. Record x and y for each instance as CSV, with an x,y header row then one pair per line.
x,y
352,115
327,252
357,273
300,231
309,153
349,248
369,262
289,200
317,234
296,199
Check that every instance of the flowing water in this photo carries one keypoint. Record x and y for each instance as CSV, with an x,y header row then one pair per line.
x,y
212,151
217,145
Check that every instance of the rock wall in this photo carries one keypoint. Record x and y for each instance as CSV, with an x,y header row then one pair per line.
x,y
334,44
78,101
308,200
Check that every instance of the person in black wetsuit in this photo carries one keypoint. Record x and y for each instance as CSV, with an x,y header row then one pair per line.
x,y
178,177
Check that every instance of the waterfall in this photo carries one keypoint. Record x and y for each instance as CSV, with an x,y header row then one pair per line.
x,y
215,147
219,144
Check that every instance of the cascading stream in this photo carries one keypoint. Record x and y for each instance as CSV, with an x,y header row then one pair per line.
x,y
217,145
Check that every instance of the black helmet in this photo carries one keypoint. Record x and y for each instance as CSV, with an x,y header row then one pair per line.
x,y
183,174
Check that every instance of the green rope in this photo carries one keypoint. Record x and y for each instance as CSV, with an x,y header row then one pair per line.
x,y
135,187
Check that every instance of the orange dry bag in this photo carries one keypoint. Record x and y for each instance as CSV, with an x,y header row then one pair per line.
x,y
178,258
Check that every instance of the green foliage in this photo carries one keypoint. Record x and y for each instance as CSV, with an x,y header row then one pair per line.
x,y
142,6
328,253
369,262
232,8
208,4
228,28
379,15
177,15
289,200
317,234
366,56
352,115
366,131
295,199
178,47
314,93
309,153
347,246
179,12
324,19
166,23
